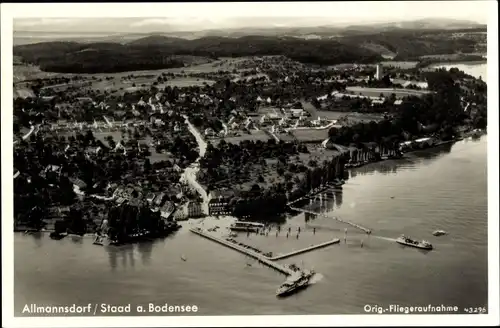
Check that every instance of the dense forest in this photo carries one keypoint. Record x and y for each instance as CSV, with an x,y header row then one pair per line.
x,y
158,52
411,45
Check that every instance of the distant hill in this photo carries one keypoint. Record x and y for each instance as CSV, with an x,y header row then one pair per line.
x,y
154,40
156,52
417,25
324,31
324,45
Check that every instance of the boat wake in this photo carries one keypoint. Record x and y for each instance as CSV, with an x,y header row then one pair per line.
x,y
385,238
316,278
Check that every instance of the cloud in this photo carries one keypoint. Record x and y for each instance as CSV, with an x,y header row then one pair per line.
x,y
180,22
151,21
46,21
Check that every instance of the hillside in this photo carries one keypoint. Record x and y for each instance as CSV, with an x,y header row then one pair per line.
x,y
412,45
417,25
155,52
155,40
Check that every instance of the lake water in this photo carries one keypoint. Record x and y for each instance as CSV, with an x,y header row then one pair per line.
x,y
473,69
444,188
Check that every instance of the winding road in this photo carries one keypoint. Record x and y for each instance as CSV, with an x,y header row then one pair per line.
x,y
192,170
27,135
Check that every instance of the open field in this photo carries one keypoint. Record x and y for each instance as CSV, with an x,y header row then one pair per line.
x,y
187,82
256,135
375,92
155,157
142,82
317,153
378,48
286,137
199,65
20,92
331,115
310,135
30,72
400,64
268,110
446,57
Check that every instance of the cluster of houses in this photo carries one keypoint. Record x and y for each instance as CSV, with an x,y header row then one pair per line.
x,y
287,116
64,125
191,209
219,203
374,100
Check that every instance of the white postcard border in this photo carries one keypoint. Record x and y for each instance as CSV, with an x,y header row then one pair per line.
x,y
9,11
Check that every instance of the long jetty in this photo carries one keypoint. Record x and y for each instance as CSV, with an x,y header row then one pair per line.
x,y
261,258
304,250
315,192
368,231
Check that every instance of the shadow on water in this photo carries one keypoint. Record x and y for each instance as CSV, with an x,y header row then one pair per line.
x,y
124,256
76,239
37,237
145,249
425,157
121,254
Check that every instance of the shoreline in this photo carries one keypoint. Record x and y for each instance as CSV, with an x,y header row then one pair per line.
x,y
442,143
457,61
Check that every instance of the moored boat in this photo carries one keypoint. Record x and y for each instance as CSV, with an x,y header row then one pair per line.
x,y
246,226
57,235
439,233
298,280
404,240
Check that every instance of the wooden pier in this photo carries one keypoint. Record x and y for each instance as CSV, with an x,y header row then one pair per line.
x,y
261,258
304,250
368,231
315,192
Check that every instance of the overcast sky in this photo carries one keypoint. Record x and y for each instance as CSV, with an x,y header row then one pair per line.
x,y
199,16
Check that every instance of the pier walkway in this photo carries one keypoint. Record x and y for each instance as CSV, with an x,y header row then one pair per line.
x,y
316,192
261,258
368,231
304,250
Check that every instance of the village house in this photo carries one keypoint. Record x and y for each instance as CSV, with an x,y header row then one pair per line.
x,y
159,199
79,183
150,198
296,112
194,209
84,100
181,213
167,209
209,132
219,203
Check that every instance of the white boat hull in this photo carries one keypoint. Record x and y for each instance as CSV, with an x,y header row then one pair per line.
x,y
420,246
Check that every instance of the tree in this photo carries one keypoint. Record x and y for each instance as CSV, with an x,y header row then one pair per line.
x,y
147,165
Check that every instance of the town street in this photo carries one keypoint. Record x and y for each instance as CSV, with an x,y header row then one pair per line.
x,y
191,171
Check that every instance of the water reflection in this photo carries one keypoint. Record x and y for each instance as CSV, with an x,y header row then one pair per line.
x,y
77,239
37,237
420,157
145,249
338,198
124,253
124,256
323,203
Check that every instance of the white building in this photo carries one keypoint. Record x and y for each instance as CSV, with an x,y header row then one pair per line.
x,y
380,72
